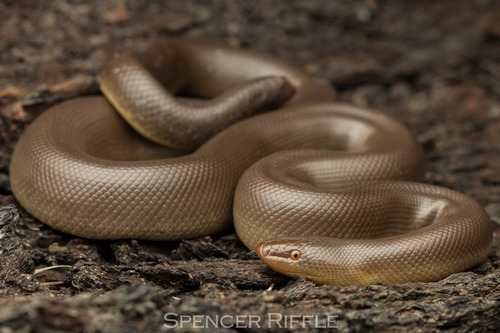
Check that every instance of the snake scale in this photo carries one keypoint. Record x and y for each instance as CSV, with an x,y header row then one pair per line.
x,y
320,189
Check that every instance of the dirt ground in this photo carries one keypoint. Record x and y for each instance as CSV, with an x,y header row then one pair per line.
x,y
433,65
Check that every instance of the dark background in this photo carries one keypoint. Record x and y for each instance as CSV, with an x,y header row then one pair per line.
x,y
434,65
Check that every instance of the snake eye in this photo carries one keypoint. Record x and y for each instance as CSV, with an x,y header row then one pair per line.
x,y
295,254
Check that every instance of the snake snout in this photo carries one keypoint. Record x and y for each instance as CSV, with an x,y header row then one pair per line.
x,y
262,250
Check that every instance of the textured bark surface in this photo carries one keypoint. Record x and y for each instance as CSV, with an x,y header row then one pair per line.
x,y
434,65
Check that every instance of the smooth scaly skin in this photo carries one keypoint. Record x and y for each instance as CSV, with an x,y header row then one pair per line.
x,y
331,170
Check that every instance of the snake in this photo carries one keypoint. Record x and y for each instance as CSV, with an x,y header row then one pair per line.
x,y
192,138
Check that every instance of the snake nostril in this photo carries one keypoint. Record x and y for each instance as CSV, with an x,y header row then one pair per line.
x,y
262,250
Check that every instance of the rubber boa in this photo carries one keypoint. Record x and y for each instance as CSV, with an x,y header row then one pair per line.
x,y
320,189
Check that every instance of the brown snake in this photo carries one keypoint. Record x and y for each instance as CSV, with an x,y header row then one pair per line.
x,y
336,184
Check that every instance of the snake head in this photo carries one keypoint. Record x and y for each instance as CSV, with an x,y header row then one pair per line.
x,y
297,256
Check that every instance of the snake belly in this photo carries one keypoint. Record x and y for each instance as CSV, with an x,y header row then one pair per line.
x,y
335,183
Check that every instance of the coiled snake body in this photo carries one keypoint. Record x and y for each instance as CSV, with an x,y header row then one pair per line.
x,y
332,187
